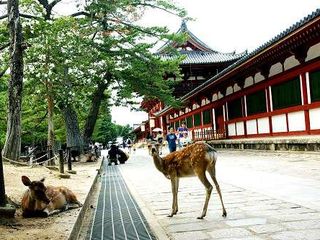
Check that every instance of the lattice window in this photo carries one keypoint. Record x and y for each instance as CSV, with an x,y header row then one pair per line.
x,y
314,79
287,94
256,102
235,109
206,116
197,119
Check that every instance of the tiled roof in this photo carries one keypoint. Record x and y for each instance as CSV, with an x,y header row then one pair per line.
x,y
200,57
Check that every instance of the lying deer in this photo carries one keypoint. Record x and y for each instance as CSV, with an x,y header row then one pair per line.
x,y
193,160
40,200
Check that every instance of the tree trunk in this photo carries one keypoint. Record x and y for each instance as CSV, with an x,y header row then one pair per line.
x,y
74,139
94,111
12,145
50,142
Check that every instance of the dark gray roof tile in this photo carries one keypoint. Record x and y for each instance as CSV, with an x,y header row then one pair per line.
x,y
200,57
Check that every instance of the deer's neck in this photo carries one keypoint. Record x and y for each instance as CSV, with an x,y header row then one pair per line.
x,y
158,162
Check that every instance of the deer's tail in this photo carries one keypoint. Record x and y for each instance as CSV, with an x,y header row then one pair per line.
x,y
212,153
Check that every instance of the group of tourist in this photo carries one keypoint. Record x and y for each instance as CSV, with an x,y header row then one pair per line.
x,y
174,138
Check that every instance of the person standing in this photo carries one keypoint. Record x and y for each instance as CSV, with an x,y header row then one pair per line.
x,y
171,138
182,132
129,145
159,139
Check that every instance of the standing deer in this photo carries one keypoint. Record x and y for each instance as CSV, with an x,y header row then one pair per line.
x,y
194,160
40,200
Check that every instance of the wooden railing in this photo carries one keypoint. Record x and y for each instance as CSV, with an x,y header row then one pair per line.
x,y
205,134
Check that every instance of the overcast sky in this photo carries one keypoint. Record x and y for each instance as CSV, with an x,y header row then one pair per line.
x,y
227,26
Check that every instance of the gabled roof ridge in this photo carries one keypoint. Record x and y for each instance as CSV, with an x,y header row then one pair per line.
x,y
197,39
184,29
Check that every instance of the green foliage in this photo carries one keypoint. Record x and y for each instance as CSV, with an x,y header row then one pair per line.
x,y
74,56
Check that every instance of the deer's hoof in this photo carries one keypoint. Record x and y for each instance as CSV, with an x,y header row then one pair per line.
x,y
224,214
201,217
170,215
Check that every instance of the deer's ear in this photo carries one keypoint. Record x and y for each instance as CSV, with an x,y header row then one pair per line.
x,y
26,181
42,179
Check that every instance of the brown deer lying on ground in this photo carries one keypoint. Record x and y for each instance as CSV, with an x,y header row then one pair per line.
x,y
193,160
40,200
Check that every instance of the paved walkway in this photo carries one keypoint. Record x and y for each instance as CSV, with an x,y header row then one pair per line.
x,y
267,196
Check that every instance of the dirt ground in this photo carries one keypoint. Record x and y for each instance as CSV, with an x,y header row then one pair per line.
x,y
57,226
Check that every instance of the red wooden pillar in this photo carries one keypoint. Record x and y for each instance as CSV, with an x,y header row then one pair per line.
x,y
269,106
305,99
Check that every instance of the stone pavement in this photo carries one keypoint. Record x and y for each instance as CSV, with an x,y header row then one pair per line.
x,y
268,195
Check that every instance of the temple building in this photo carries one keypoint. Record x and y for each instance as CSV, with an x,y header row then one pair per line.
x,y
272,91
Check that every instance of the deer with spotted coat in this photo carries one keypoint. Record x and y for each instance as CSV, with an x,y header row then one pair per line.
x,y
193,160
39,200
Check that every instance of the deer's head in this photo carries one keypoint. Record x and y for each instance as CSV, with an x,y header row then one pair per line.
x,y
153,148
37,189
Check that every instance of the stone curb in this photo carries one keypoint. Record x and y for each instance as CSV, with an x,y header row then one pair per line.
x,y
77,225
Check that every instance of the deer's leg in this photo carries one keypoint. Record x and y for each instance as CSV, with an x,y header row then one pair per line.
x,y
208,186
212,172
174,189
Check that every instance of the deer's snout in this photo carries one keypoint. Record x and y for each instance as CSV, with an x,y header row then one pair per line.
x,y
153,150
42,196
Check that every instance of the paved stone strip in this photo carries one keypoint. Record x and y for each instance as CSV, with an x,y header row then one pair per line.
x,y
117,215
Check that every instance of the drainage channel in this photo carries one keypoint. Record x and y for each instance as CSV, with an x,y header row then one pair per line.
x,y
117,214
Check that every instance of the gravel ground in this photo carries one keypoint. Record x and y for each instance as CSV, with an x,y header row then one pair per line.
x,y
57,226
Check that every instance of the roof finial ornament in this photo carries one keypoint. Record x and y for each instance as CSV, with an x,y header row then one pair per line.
x,y
184,24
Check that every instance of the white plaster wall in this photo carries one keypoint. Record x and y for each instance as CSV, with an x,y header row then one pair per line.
x,y
248,82
263,125
275,69
207,101
181,113
229,90
194,106
232,129
313,52
296,121
258,77
220,95
314,115
290,62
214,97
251,126
279,123
203,102
236,88
240,128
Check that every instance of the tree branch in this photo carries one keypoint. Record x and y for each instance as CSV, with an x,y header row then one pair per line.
x,y
48,7
54,2
3,16
82,13
4,46
29,16
3,2
3,72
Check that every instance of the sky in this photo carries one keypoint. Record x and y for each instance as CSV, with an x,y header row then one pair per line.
x,y
225,26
